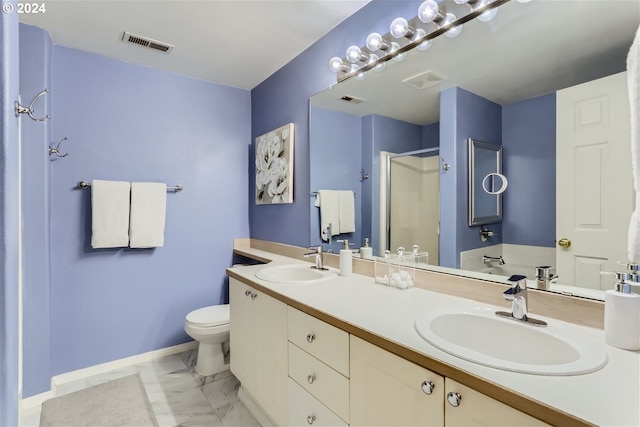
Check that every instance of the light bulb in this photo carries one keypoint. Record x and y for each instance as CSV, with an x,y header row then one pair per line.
x,y
354,54
399,28
489,14
420,33
337,64
448,19
428,11
398,58
375,42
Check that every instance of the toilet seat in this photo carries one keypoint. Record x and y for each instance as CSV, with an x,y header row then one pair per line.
x,y
215,315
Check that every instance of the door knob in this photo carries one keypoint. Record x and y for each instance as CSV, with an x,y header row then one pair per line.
x,y
564,242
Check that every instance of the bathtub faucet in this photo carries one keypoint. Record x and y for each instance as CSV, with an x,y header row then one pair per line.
x,y
489,259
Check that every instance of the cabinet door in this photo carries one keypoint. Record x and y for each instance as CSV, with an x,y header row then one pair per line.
x,y
387,390
241,335
270,356
476,409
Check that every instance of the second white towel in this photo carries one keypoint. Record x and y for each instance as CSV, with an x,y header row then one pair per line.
x,y
148,212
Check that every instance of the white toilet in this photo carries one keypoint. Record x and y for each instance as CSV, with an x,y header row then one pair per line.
x,y
210,327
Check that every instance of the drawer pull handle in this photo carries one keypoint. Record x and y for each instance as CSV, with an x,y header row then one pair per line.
x,y
247,293
311,379
254,295
311,419
427,387
311,338
454,399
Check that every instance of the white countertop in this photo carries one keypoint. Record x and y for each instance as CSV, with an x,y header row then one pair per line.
x,y
607,397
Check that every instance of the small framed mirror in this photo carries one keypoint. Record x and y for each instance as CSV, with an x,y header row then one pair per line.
x,y
486,182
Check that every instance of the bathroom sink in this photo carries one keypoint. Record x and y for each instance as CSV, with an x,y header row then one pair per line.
x,y
479,336
295,273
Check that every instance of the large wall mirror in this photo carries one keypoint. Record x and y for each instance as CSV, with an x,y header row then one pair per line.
x,y
506,82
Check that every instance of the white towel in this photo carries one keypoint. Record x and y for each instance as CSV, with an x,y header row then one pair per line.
x,y
110,214
148,209
347,212
633,81
329,204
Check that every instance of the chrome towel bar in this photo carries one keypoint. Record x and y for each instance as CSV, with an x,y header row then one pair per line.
x,y
83,185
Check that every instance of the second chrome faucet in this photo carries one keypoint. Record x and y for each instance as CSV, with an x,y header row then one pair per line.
x,y
319,257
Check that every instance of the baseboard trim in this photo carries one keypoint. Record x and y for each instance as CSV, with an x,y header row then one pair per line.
x,y
35,400
67,377
120,363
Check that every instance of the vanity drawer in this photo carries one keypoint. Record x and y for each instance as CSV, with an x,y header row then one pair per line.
x,y
327,385
304,409
326,342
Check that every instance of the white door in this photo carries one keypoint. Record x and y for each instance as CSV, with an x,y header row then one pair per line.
x,y
594,188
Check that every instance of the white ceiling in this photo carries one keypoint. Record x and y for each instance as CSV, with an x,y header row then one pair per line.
x,y
529,49
236,43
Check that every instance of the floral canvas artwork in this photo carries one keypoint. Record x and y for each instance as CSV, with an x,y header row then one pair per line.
x,y
274,166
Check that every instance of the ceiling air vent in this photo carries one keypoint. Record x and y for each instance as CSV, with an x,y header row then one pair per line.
x,y
128,37
352,99
425,79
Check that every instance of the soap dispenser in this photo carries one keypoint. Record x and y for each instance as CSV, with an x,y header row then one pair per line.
x,y
366,251
346,259
622,314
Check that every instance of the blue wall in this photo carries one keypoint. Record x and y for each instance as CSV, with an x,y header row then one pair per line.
x,y
336,166
529,150
284,97
463,115
133,123
35,73
9,224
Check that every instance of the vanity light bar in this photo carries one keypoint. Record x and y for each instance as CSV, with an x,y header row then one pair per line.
x,y
347,70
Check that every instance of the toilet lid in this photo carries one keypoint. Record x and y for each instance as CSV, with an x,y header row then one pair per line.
x,y
214,315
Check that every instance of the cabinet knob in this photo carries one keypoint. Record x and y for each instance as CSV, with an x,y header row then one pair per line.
x,y
427,387
254,295
247,293
311,338
454,399
311,419
311,379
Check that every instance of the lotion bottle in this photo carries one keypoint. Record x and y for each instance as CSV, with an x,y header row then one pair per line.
x,y
346,259
622,315
366,251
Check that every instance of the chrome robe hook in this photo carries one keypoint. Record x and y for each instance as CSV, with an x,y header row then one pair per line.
x,y
56,150
20,109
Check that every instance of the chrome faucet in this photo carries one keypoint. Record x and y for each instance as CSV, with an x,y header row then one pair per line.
x,y
318,254
518,295
489,259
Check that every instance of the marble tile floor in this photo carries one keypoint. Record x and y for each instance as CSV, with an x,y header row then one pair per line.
x,y
179,396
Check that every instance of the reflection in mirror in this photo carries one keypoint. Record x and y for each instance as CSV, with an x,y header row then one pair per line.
x,y
485,169
516,82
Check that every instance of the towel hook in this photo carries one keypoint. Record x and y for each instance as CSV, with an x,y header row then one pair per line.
x,y
363,175
445,166
56,150
20,109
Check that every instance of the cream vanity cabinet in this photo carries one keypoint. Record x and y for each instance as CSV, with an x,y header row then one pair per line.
x,y
387,390
318,372
259,347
